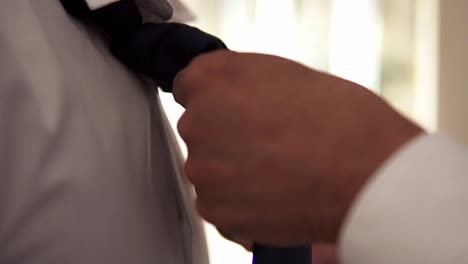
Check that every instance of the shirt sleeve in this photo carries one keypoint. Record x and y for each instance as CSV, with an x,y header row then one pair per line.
x,y
414,210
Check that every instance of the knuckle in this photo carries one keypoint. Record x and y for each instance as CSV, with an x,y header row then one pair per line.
x,y
192,172
201,174
200,72
221,214
178,90
186,83
204,211
200,62
213,62
214,215
184,126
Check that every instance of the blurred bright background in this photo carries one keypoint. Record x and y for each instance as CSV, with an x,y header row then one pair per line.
x,y
412,52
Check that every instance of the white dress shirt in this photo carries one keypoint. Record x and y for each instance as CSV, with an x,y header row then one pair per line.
x,y
89,171
414,210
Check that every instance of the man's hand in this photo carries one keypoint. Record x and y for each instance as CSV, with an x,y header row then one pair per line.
x,y
277,152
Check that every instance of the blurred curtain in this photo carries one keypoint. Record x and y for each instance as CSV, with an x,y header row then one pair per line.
x,y
340,36
376,43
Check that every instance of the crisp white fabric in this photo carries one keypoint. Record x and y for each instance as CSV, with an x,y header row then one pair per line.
x,y
152,10
182,12
415,209
96,4
89,172
155,10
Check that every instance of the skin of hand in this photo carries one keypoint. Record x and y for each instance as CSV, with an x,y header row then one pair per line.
x,y
277,152
324,254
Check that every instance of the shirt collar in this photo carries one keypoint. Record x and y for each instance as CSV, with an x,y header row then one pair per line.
x,y
152,10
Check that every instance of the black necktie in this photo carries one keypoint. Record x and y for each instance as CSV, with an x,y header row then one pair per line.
x,y
160,51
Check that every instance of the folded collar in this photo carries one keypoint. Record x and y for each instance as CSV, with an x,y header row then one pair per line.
x,y
152,10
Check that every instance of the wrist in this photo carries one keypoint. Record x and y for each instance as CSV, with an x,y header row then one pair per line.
x,y
380,151
359,165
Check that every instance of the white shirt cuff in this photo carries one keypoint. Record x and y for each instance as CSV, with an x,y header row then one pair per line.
x,y
414,209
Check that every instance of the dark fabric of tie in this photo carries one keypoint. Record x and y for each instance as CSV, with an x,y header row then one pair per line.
x,y
162,50
286,255
119,20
